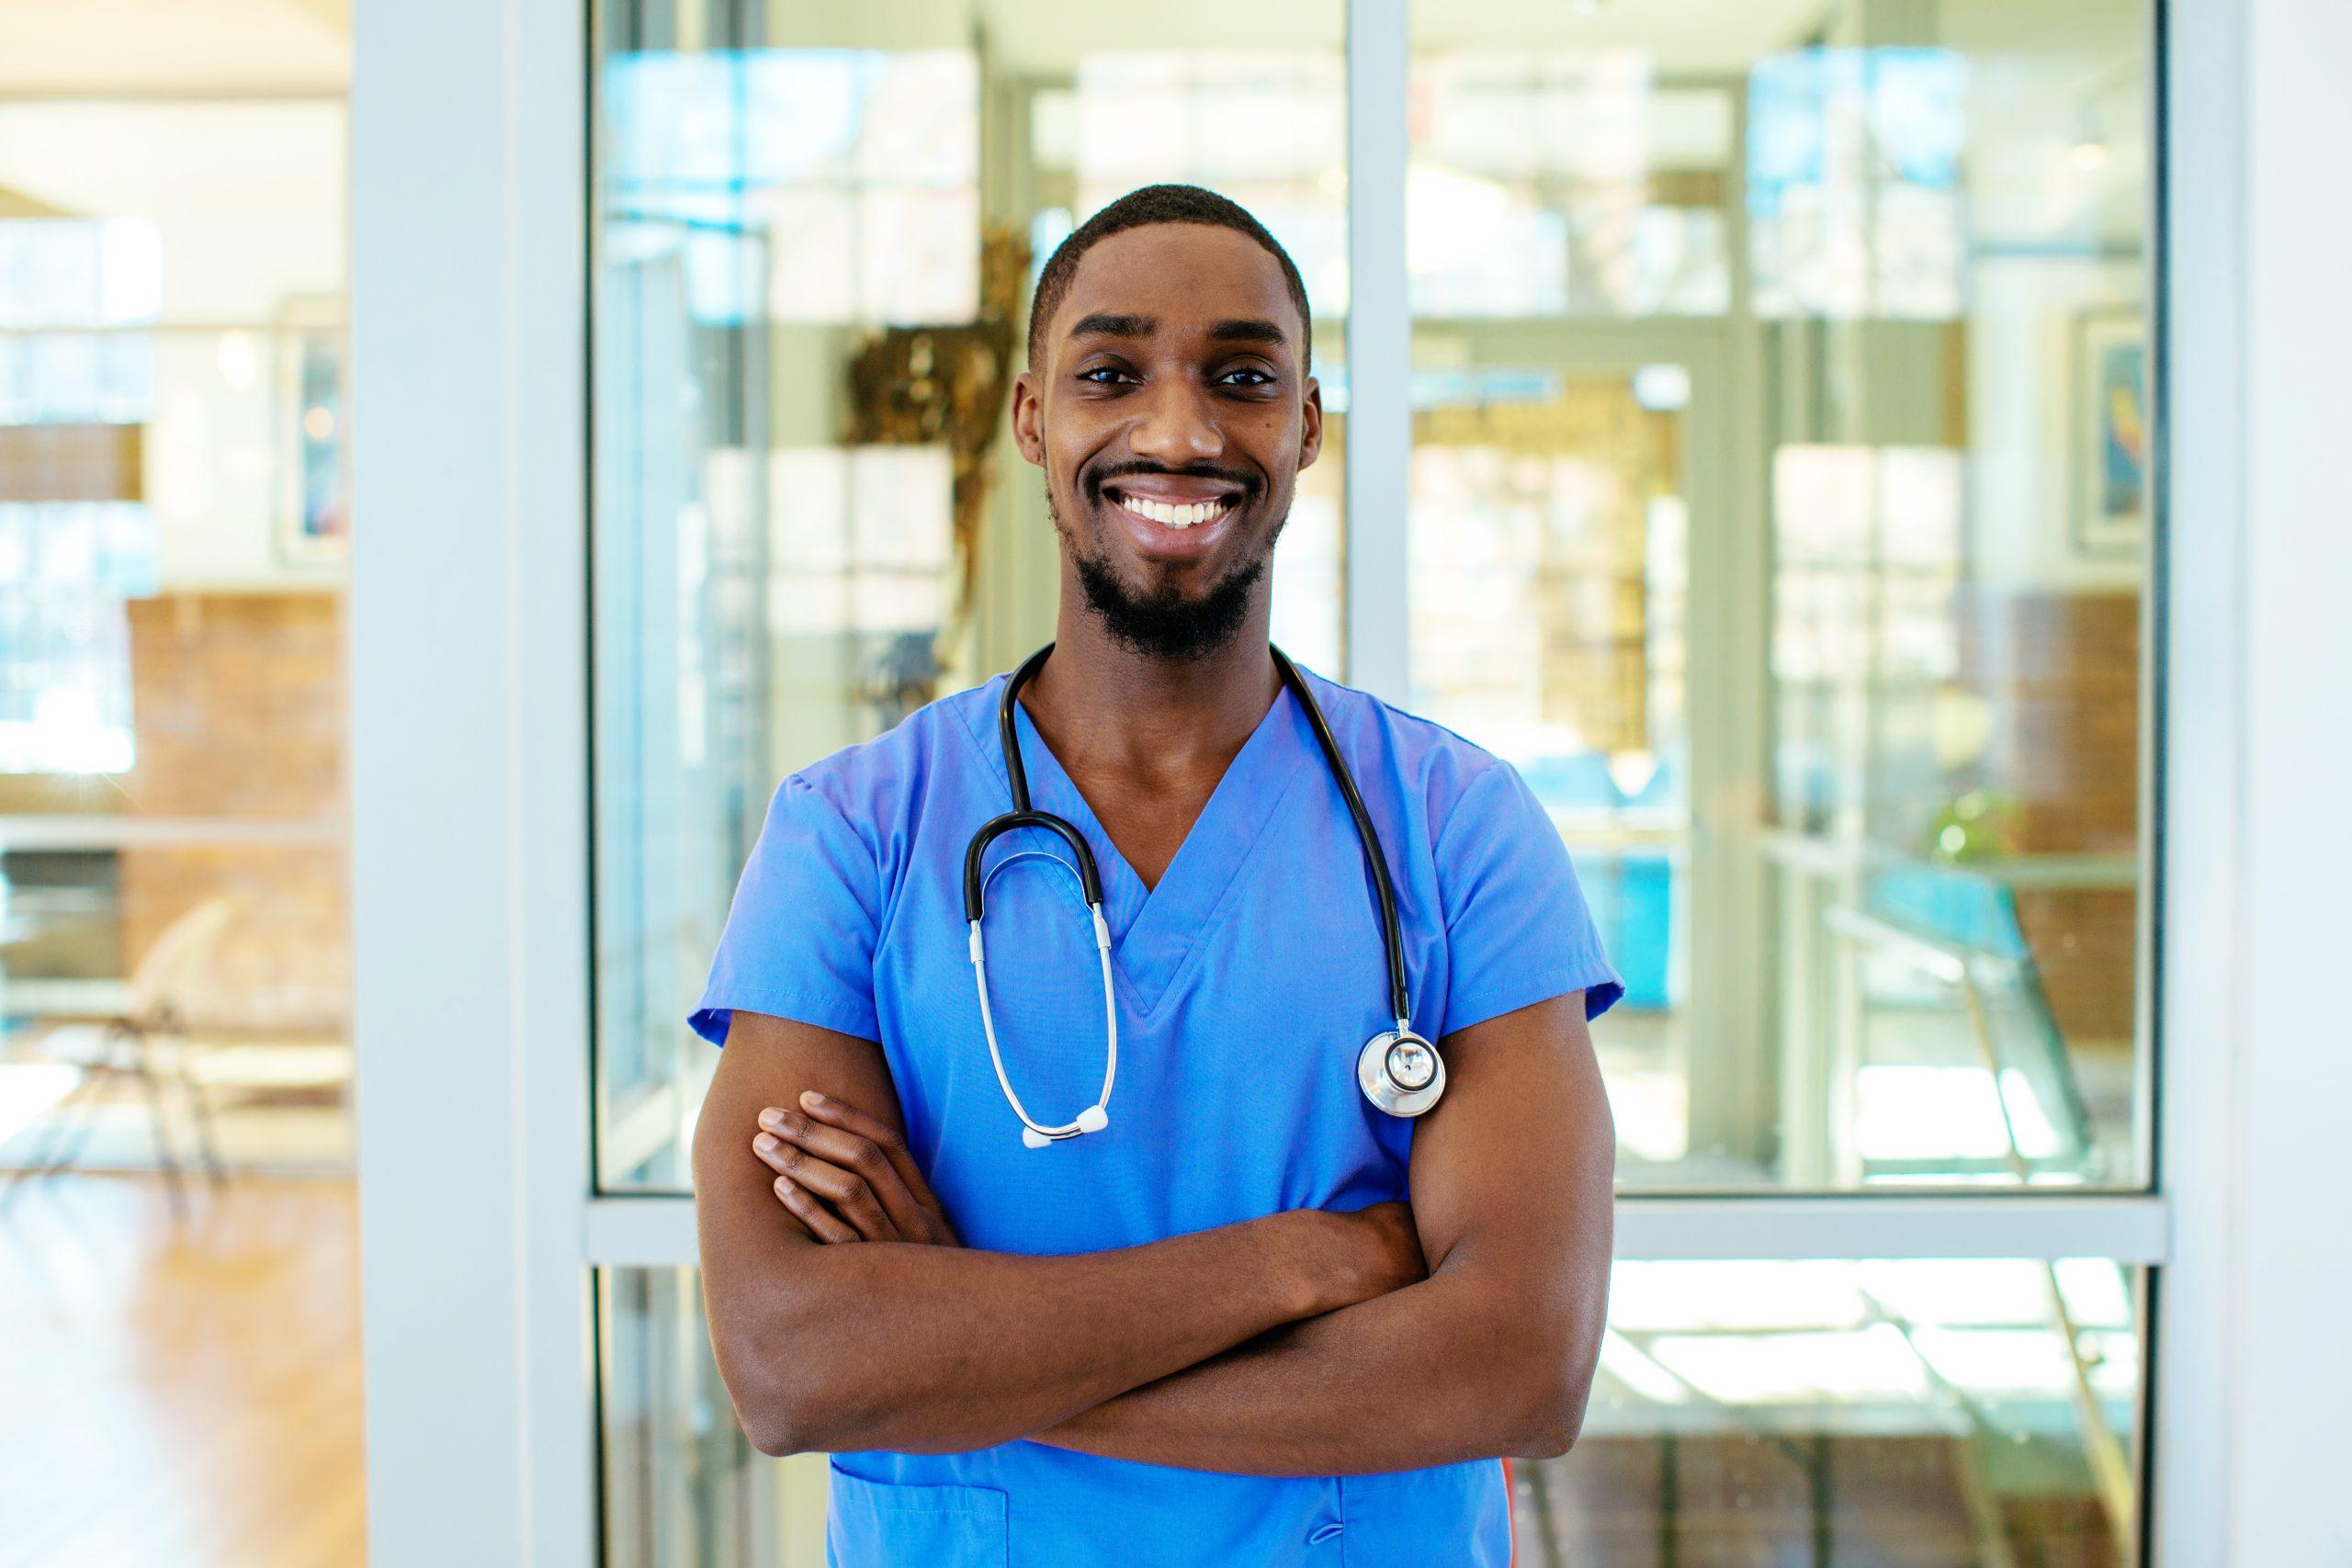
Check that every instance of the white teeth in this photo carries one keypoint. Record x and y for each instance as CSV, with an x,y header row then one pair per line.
x,y
1162,513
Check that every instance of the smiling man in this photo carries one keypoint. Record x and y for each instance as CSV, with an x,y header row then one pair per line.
x,y
1246,1296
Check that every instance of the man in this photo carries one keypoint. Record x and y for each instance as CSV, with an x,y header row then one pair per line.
x,y
1254,1319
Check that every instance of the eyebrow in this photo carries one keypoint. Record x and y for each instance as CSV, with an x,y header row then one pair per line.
x,y
1238,329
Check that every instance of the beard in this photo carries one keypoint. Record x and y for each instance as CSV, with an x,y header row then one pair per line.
x,y
1164,623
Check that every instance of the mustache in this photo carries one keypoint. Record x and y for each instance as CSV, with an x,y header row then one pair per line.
x,y
1246,483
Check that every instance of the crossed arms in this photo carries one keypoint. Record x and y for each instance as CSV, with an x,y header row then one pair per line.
x,y
1302,1343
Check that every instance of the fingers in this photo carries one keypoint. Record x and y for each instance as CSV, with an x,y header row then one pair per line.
x,y
822,1222
874,1130
857,1143
828,1173
893,1148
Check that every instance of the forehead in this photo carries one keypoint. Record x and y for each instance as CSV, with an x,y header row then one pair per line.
x,y
1185,276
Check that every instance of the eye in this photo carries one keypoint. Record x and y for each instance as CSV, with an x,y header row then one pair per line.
x,y
1263,380
1091,371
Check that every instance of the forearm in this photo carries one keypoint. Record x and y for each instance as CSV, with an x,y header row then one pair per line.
x,y
940,1349
1438,1372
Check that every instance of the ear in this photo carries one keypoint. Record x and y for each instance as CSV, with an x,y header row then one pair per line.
x,y
1310,413
1028,418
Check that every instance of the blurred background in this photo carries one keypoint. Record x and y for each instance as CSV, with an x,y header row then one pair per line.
x,y
1777,500
181,1303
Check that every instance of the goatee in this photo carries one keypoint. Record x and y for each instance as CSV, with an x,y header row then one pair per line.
x,y
1163,624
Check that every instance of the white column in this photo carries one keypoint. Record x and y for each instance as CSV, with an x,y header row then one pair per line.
x,y
2291,1266
1380,348
469,779
2253,1366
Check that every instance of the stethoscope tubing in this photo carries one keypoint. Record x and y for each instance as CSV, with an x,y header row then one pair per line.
x,y
1025,814
1073,1127
1391,929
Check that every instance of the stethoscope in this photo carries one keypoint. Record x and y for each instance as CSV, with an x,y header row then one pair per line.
x,y
1399,1070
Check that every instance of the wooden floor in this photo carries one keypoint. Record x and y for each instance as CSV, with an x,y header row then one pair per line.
x,y
180,1394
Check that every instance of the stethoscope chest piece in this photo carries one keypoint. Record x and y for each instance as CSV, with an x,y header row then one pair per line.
x,y
1400,1072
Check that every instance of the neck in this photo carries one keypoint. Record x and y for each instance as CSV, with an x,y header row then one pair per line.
x,y
1102,704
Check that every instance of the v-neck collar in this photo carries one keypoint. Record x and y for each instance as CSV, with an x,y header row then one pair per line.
x,y
1155,932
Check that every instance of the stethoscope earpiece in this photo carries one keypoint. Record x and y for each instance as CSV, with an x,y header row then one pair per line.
x,y
1094,1119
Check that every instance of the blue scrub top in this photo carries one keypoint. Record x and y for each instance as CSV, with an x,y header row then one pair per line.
x,y
1246,980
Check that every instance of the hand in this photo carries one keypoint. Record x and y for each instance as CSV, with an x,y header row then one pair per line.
x,y
846,1176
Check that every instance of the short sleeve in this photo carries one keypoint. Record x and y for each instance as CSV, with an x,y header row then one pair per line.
x,y
1517,928
799,937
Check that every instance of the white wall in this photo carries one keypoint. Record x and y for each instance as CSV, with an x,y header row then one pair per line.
x,y
2290,1265
2252,1364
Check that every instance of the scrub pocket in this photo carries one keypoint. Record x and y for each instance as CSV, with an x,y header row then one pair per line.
x,y
870,1524
1454,1514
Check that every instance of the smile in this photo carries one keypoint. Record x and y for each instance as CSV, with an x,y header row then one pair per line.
x,y
1170,515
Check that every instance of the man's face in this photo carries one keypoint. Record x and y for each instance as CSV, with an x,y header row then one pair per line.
x,y
1171,418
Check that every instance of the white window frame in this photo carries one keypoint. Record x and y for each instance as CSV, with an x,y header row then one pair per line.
x,y
470,786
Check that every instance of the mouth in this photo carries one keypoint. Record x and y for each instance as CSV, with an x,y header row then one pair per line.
x,y
1179,508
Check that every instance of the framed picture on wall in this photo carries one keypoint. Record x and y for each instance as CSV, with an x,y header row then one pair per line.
x,y
2112,432
307,423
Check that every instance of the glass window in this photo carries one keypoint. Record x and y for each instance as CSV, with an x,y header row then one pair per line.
x,y
1778,505
1566,182
1938,1410
814,248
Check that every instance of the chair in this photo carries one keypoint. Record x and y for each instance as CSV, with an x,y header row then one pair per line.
x,y
150,1007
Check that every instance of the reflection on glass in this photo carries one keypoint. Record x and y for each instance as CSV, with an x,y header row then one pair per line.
x,y
1854,186
1945,1412
1268,128
684,1488
1965,1411
1549,540
814,248
1557,184
866,158
1831,670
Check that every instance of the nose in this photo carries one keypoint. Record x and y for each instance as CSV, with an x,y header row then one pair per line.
x,y
1176,425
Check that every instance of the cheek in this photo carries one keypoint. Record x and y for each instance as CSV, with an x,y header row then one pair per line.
x,y
1069,474
1060,461
1277,445
1066,445
1286,423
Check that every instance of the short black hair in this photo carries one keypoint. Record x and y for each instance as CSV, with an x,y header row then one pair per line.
x,y
1160,204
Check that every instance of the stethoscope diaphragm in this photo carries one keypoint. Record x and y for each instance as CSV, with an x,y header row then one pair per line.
x,y
1400,1072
